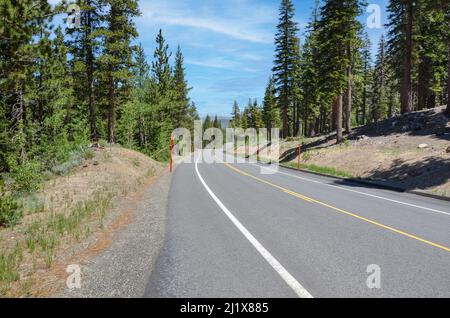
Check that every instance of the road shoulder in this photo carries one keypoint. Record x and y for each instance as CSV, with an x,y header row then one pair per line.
x,y
123,269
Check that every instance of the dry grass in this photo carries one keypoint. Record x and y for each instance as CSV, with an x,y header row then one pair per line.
x,y
68,210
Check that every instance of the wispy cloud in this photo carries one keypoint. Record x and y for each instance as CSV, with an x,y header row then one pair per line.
x,y
241,22
220,63
232,30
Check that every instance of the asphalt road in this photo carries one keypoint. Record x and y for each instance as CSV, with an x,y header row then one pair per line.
x,y
233,231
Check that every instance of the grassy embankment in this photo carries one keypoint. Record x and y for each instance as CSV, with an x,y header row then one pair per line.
x,y
67,209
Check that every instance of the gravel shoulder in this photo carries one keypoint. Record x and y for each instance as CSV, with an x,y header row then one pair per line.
x,y
124,268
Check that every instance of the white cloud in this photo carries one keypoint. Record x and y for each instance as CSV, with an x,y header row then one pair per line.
x,y
229,29
239,19
220,63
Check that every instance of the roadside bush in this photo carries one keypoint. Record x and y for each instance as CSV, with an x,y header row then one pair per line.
x,y
75,159
88,154
10,209
27,176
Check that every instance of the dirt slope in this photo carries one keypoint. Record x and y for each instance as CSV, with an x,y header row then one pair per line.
x,y
410,151
70,217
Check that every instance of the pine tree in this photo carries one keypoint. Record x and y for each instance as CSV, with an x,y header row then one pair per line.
x,y
134,117
161,68
353,43
297,91
85,47
21,22
254,116
270,111
312,108
431,51
181,88
400,46
367,64
286,43
207,123
216,123
117,58
236,116
245,118
338,33
380,107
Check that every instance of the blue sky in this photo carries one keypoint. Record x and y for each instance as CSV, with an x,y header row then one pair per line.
x,y
228,45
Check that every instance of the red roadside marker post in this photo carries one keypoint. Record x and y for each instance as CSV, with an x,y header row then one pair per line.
x,y
171,158
299,155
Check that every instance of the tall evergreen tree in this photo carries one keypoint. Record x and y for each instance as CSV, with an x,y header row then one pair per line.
x,y
161,68
337,34
207,123
270,111
286,44
236,116
254,116
353,43
431,51
367,64
22,21
217,123
182,89
380,106
85,47
116,60
400,42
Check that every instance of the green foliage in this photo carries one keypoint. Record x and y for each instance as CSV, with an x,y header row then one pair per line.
x,y
235,116
270,112
10,208
75,158
324,170
254,115
26,175
159,103
9,265
286,60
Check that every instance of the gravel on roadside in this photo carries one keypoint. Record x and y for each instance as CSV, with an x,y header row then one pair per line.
x,y
123,269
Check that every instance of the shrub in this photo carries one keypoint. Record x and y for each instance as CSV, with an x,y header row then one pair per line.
x,y
27,176
10,209
75,159
88,154
103,143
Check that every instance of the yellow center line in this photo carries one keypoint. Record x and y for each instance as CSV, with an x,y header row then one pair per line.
x,y
308,199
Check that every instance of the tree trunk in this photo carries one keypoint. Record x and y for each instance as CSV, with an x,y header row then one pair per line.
x,y
391,103
141,132
294,118
20,116
337,109
364,105
421,90
448,81
333,116
322,119
305,120
406,96
285,117
364,97
90,76
111,114
348,105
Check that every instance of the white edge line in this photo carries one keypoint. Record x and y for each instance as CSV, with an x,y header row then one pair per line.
x,y
285,275
363,193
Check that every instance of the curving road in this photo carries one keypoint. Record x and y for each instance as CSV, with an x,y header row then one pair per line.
x,y
233,231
